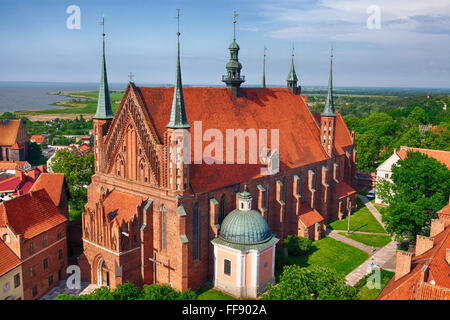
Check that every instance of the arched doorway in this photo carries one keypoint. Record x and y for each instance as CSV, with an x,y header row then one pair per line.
x,y
102,274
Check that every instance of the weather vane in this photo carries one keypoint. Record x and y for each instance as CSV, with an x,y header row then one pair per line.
x,y
102,23
234,24
178,22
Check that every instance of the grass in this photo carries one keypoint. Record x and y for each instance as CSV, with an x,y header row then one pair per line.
x,y
326,252
360,220
87,105
206,293
364,293
373,240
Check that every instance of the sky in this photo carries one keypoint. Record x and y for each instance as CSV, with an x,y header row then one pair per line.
x,y
379,43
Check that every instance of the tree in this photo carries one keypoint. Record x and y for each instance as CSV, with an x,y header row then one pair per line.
x,y
297,245
78,170
368,148
316,283
418,115
34,156
129,291
420,187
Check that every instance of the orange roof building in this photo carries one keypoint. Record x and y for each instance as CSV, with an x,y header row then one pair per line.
x,y
441,156
56,186
36,232
424,273
13,140
170,163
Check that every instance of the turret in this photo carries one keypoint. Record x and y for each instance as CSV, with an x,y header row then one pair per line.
x,y
328,117
233,78
292,79
104,115
177,133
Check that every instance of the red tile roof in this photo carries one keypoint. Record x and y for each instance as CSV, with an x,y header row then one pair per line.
x,y
124,204
309,216
438,271
11,184
257,108
37,138
53,183
439,155
9,130
8,260
30,214
343,190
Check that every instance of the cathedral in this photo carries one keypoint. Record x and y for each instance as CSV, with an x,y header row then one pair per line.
x,y
158,214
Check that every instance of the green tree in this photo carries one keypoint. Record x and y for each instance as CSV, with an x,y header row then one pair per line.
x,y
297,245
316,283
368,148
78,170
418,115
420,187
34,156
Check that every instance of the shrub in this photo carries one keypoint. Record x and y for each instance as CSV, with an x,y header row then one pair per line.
x,y
297,245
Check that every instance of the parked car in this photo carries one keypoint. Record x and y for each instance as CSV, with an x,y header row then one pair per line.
x,y
371,194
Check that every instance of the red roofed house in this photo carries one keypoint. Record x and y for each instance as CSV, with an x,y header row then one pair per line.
x,y
38,138
11,287
13,140
384,171
56,186
424,274
155,201
36,233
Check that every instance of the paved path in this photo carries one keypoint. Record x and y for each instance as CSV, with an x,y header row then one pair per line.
x,y
335,235
363,232
86,288
382,257
372,209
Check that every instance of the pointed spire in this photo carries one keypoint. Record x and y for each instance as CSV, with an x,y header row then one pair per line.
x,y
292,76
264,69
178,118
329,105
104,110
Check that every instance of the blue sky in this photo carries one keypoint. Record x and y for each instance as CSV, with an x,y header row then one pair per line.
x,y
411,48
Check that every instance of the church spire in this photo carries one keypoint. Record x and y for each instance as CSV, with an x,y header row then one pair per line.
x,y
233,77
329,105
292,76
264,69
178,118
104,111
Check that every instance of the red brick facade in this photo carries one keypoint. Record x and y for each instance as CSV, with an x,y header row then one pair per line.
x,y
141,209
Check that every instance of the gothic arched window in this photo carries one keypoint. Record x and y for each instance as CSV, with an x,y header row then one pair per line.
x,y
196,233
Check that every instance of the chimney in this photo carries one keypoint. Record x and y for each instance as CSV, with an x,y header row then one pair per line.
x,y
447,255
423,244
403,264
437,226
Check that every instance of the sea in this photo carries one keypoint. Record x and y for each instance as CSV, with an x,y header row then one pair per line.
x,y
18,96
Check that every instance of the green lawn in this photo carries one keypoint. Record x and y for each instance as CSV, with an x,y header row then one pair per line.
x,y
206,293
364,293
326,252
373,240
360,220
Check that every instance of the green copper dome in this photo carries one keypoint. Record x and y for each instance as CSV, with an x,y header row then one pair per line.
x,y
244,227
234,45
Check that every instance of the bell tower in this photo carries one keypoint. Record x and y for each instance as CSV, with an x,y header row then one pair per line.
x,y
328,117
104,115
177,134
233,78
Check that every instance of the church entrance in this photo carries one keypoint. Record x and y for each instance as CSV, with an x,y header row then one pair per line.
x,y
102,274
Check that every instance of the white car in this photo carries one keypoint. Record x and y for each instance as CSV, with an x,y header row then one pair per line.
x,y
371,194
